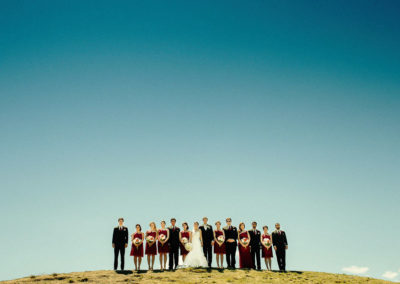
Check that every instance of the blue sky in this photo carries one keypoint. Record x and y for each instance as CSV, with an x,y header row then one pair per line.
x,y
274,111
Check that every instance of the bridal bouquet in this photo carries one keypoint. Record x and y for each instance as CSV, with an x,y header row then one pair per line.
x,y
221,239
188,246
185,240
150,239
267,242
136,241
245,241
162,237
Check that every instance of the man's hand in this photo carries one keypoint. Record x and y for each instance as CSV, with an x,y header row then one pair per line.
x,y
275,248
126,245
286,247
212,243
113,245
230,240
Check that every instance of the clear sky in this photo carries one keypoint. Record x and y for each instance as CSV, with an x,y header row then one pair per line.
x,y
271,111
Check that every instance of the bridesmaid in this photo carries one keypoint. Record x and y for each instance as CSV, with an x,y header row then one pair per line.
x,y
162,246
151,248
184,234
219,247
137,248
266,250
245,260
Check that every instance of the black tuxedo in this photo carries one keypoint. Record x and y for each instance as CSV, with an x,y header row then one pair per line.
x,y
280,242
255,247
208,236
231,233
173,247
120,239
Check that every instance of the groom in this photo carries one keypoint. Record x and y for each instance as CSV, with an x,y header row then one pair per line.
x,y
208,240
231,236
279,241
173,245
120,242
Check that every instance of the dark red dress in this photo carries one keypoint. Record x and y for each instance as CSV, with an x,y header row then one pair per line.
x,y
245,260
137,251
217,248
184,235
152,250
266,252
162,248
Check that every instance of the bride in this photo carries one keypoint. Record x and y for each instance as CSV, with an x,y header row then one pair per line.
x,y
195,257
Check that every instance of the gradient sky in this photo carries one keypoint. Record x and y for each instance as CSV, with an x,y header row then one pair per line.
x,y
271,111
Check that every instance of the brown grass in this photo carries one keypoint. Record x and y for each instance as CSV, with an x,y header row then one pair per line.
x,y
195,276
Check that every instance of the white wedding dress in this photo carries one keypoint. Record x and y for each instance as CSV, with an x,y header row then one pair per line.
x,y
195,258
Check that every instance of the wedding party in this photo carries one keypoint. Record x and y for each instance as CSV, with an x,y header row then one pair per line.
x,y
196,246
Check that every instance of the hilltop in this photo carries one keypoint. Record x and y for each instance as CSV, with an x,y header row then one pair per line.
x,y
195,276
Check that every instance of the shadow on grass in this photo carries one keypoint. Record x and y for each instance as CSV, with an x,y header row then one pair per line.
x,y
200,270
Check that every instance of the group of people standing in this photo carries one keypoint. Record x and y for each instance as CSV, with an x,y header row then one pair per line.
x,y
195,246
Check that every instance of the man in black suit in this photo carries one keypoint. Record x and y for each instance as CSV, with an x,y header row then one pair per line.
x,y
208,240
120,242
280,244
231,236
173,245
255,246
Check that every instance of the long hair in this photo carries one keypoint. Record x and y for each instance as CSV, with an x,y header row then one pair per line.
x,y
240,226
187,226
155,227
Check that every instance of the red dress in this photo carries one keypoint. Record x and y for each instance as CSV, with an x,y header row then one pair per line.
x,y
217,248
137,251
245,260
184,235
266,252
162,248
152,250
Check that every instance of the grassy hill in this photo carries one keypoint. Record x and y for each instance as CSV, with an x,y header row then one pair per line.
x,y
196,276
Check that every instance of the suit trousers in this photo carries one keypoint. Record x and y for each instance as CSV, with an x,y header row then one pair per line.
x,y
173,257
231,254
281,257
207,249
255,255
119,249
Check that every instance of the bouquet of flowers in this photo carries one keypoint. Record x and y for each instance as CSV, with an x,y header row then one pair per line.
x,y
221,240
188,246
136,241
162,237
150,239
245,241
267,242
185,240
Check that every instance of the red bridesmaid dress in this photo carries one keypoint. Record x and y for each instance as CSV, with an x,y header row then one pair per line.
x,y
184,235
217,248
266,252
162,248
152,250
137,251
245,260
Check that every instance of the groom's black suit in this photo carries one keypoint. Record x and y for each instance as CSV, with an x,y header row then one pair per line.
x,y
173,247
255,247
208,236
231,233
119,240
280,242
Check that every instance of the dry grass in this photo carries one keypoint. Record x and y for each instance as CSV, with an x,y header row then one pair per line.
x,y
196,276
